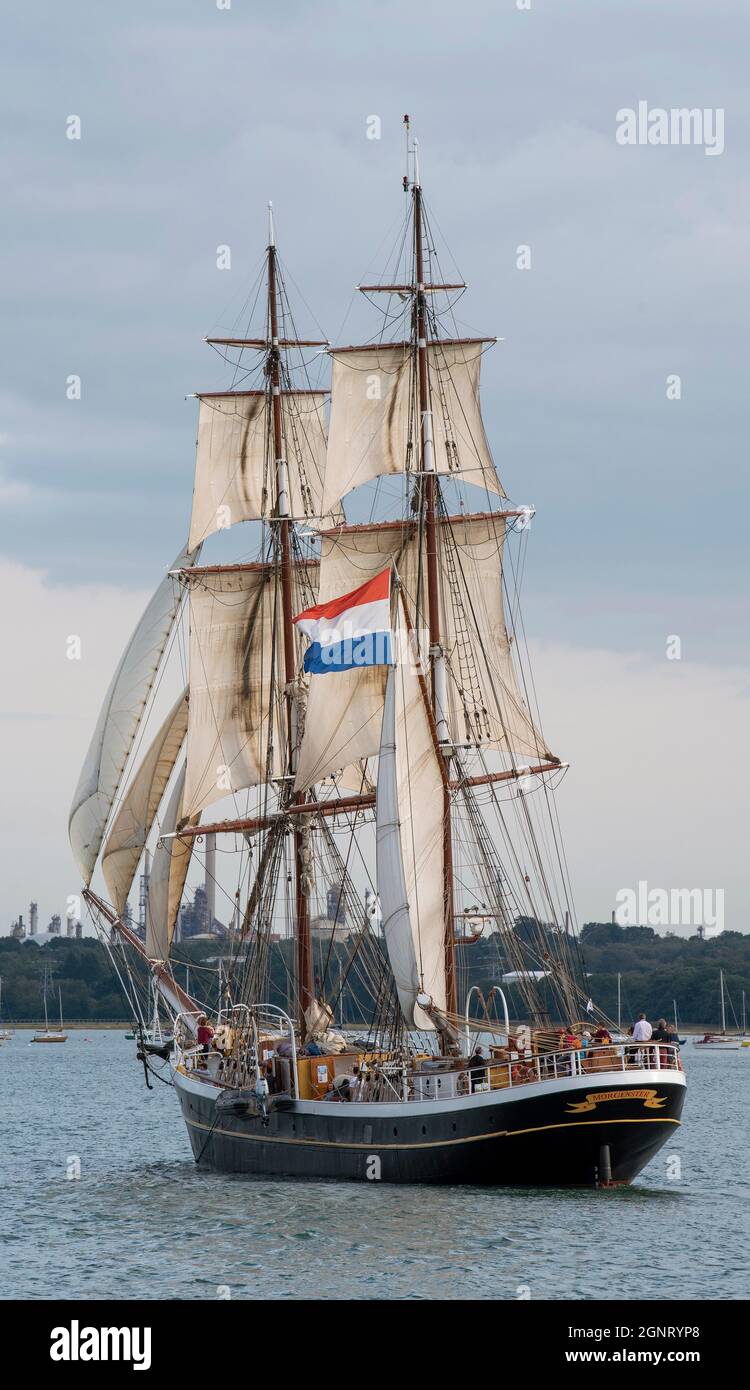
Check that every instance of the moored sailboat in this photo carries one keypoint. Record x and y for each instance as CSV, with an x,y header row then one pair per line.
x,y
47,1034
415,738
723,1041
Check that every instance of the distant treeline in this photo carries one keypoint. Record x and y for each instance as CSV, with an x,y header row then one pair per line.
x,y
655,970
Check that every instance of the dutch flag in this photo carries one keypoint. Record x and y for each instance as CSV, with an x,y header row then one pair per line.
x,y
354,630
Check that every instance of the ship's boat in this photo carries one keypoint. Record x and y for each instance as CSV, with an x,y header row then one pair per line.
x,y
356,719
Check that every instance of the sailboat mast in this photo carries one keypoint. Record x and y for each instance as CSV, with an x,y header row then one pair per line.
x,y
304,953
723,1010
429,480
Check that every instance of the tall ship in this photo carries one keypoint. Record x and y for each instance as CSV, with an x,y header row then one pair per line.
x,y
353,718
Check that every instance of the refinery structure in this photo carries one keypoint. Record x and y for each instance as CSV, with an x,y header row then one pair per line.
x,y
196,918
21,932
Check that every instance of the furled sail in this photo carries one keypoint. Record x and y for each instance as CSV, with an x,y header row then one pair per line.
x,y
485,704
235,471
375,413
168,874
119,719
236,734
132,824
409,844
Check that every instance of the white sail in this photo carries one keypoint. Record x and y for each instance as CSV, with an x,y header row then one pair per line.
x,y
119,720
132,824
409,845
236,680
343,716
235,471
168,874
374,414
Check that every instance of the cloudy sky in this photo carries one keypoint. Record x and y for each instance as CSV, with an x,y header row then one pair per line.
x,y
192,117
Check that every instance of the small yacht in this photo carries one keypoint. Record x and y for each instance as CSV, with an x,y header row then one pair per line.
x,y
723,1041
47,1034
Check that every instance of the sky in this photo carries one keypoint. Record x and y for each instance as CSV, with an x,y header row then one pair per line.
x,y
191,117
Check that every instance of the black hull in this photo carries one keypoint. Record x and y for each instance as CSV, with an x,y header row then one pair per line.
x,y
522,1140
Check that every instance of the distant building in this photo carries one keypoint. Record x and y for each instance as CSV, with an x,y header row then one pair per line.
x,y
33,919
54,925
17,929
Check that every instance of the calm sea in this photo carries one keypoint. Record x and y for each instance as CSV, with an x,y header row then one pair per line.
x,y
141,1222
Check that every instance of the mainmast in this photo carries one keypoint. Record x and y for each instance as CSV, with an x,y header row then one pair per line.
x,y
302,935
437,658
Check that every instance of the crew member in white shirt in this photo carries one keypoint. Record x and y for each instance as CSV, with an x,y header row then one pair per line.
x,y
642,1030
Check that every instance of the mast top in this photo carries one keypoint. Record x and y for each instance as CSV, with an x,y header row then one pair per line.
x,y
271,237
413,150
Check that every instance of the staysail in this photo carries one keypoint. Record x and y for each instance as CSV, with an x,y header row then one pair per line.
x,y
374,405
119,719
235,472
168,875
409,842
131,827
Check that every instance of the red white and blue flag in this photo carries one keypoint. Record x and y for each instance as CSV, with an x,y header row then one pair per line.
x,y
354,630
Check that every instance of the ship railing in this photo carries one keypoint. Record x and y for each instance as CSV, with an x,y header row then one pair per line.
x,y
523,1068
242,1063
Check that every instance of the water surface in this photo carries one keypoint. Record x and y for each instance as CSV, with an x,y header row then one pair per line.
x,y
142,1222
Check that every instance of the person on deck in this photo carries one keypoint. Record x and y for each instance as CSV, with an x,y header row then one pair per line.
x,y
640,1033
661,1034
477,1068
204,1033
